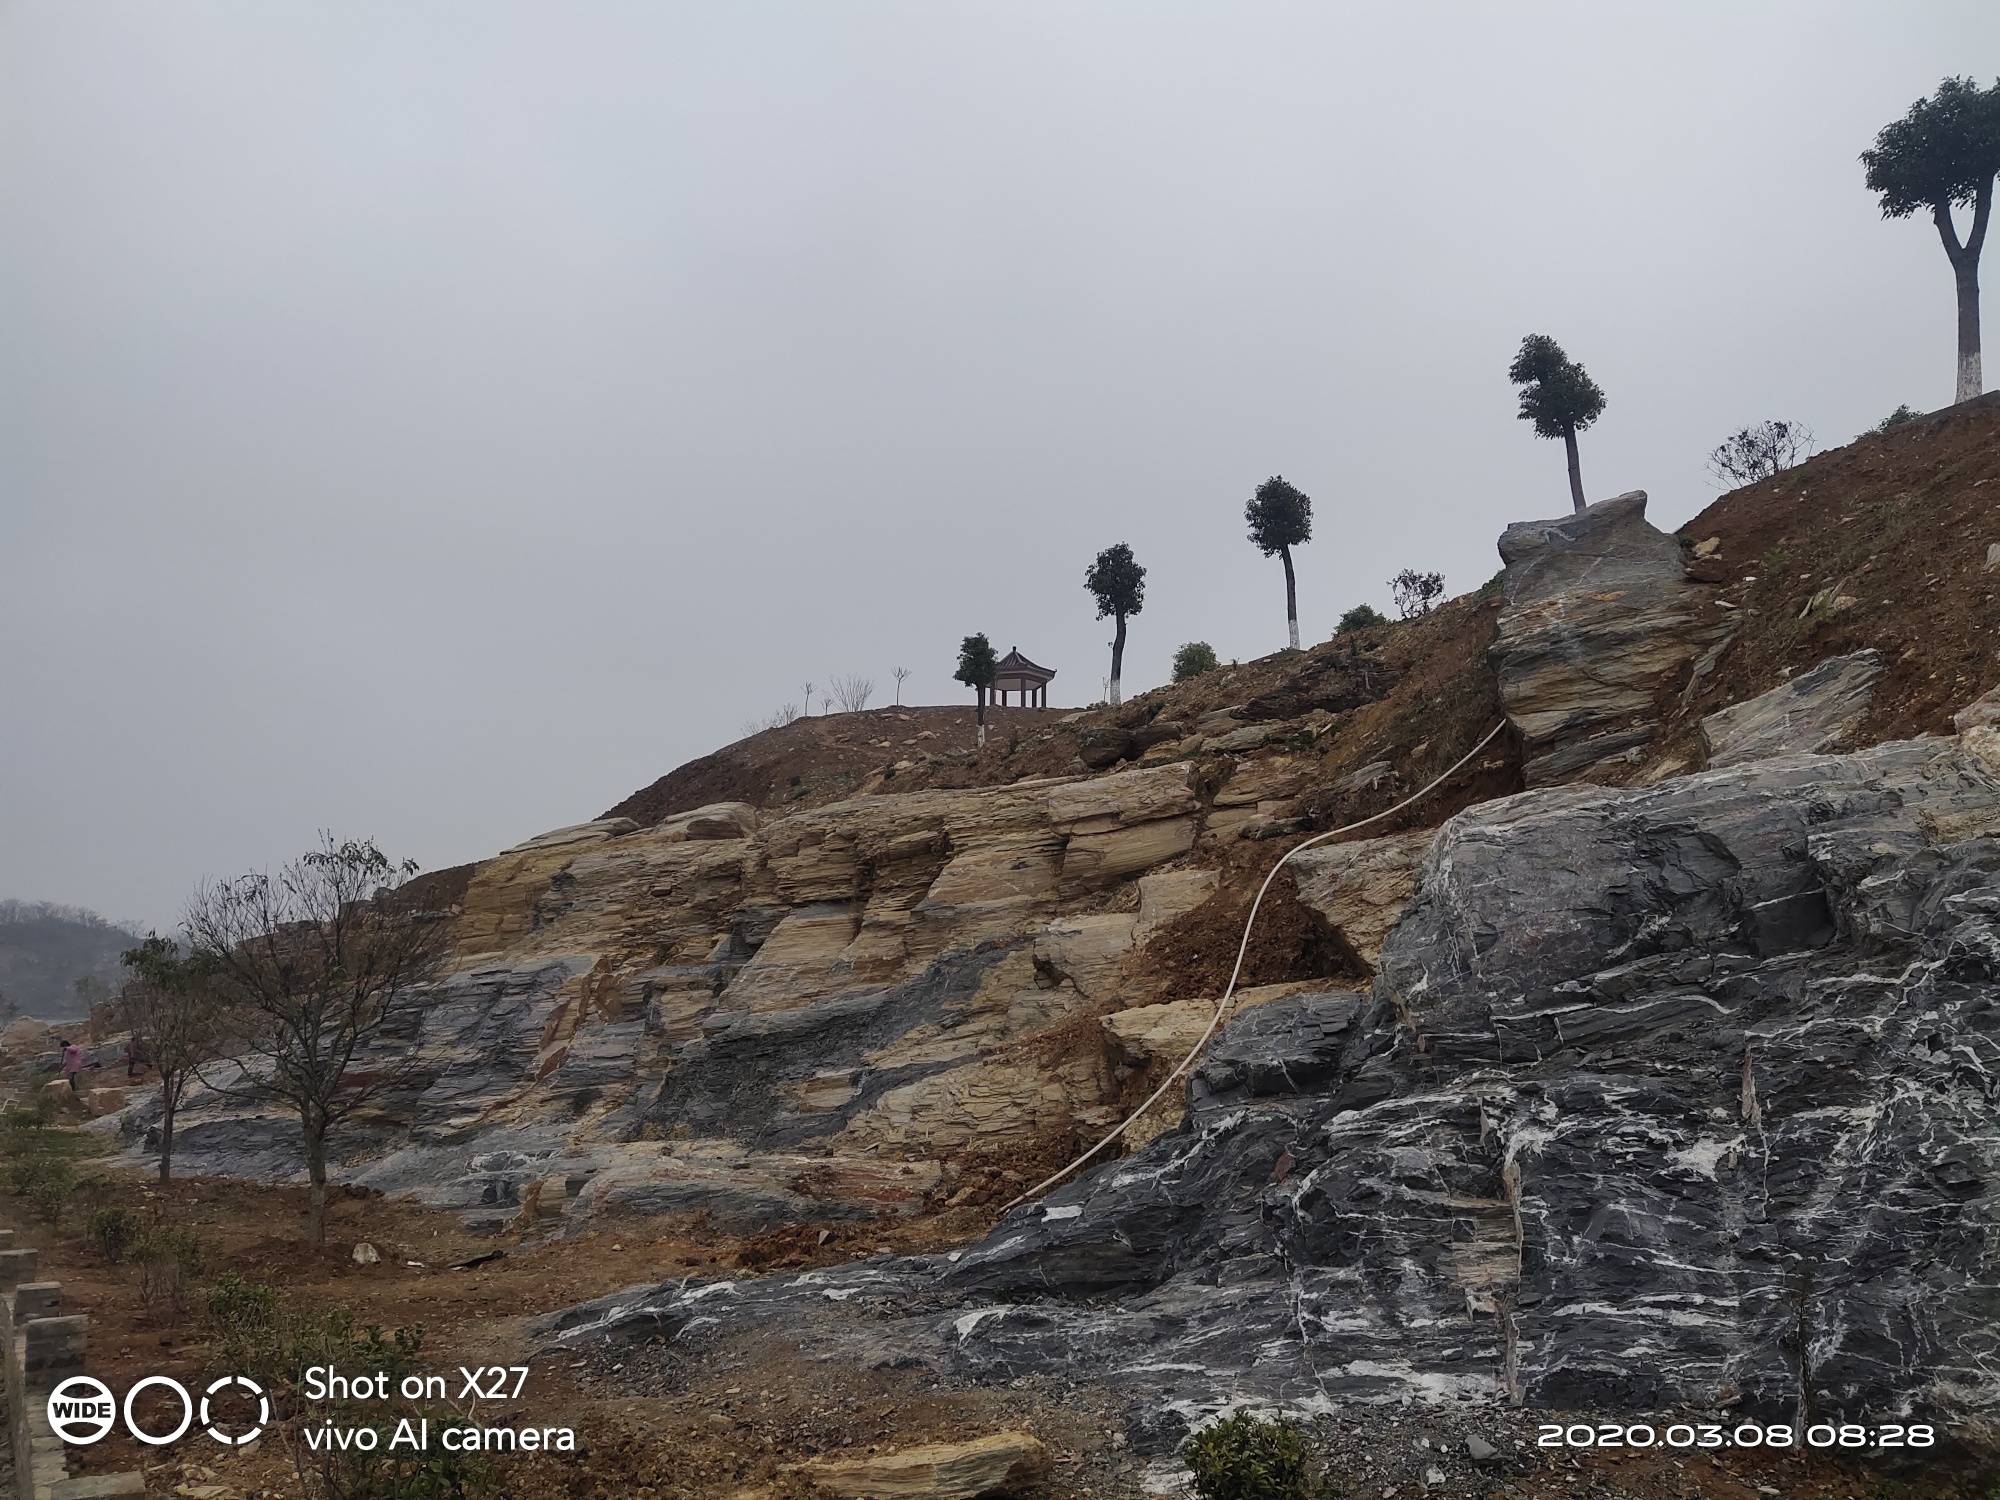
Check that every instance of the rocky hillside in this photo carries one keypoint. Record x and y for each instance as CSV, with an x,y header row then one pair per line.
x,y
1646,1059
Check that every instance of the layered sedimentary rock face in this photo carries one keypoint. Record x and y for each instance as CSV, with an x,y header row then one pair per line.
x,y
1600,620
769,1019
1682,1094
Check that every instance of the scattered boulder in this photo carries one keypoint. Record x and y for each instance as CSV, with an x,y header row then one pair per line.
x,y
1236,741
718,820
366,1254
1102,747
1807,715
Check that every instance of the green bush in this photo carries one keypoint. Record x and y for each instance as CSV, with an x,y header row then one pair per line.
x,y
260,1333
170,1256
52,1189
1193,659
36,1113
1360,618
1247,1457
113,1231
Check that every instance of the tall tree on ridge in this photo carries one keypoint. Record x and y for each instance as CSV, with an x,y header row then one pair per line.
x,y
977,666
1945,153
1558,397
1280,516
1119,584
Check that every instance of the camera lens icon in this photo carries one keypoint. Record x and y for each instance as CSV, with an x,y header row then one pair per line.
x,y
81,1410
263,1409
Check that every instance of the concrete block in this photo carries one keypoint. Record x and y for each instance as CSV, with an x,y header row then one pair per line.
x,y
37,1299
17,1266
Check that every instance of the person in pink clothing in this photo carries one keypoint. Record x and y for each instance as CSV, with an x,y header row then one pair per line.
x,y
73,1064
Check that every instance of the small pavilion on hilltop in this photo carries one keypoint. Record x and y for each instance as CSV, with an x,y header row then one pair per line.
x,y
1014,673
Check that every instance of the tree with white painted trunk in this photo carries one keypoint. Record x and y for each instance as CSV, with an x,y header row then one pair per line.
x,y
1280,516
1559,397
1945,154
977,667
1119,585
325,971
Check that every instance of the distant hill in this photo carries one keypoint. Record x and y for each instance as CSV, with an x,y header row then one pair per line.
x,y
45,948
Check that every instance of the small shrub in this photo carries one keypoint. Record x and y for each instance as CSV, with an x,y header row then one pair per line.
x,y
24,1170
1416,592
113,1231
237,1302
37,1113
52,1189
1360,618
1759,452
169,1256
1193,659
1903,413
1247,1457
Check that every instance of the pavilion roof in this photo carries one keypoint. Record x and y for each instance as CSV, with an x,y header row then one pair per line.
x,y
1017,665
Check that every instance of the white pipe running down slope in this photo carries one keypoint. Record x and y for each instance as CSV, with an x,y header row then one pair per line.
x,y
1222,1005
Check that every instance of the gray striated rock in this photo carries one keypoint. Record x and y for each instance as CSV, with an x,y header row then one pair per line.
x,y
1678,1095
1811,713
1599,616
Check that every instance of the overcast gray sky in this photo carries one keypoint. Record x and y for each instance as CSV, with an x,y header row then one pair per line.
x,y
433,420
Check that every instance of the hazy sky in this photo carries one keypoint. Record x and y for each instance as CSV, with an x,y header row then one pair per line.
x,y
433,421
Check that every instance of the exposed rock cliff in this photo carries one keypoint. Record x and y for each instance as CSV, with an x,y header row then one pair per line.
x,y
1680,1094
840,1012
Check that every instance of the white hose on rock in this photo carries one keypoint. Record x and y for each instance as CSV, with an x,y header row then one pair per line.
x,y
1222,1005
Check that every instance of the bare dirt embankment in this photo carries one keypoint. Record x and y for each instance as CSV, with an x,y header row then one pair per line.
x,y
1882,543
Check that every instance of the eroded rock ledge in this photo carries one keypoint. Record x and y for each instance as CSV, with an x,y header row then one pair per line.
x,y
1679,1094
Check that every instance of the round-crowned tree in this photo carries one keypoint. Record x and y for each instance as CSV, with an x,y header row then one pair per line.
x,y
1558,396
1118,584
1944,153
1280,516
977,666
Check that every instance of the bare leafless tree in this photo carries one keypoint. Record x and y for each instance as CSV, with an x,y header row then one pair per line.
x,y
177,1022
1758,452
326,974
853,691
777,719
1415,592
902,675
809,700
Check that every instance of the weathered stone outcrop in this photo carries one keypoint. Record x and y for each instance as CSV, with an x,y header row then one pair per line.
x,y
1361,888
1672,1095
819,1015
1599,617
1813,712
